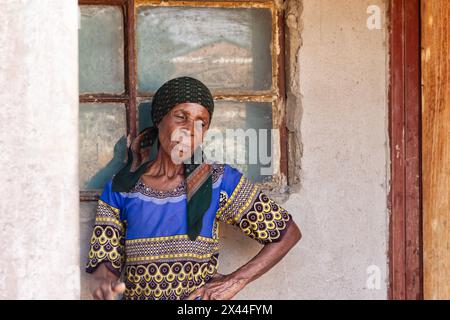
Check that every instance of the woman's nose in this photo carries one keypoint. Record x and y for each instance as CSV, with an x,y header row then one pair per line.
x,y
187,131
194,127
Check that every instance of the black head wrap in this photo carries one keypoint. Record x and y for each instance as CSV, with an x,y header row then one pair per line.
x,y
198,176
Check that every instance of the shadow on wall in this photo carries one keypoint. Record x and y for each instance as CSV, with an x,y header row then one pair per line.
x,y
114,165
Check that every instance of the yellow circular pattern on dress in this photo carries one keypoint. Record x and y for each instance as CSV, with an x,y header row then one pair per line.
x,y
168,280
264,221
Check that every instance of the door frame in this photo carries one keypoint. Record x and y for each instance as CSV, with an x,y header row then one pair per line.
x,y
405,194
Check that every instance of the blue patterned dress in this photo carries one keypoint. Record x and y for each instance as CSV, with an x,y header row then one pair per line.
x,y
141,235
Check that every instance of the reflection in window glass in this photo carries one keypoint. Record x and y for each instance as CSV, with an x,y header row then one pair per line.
x,y
102,132
251,150
226,48
101,49
144,116
144,120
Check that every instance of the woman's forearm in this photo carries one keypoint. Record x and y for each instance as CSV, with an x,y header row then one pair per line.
x,y
225,287
269,256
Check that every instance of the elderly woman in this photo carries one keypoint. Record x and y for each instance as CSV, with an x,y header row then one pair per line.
x,y
157,221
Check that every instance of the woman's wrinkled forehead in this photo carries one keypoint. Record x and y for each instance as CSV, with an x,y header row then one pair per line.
x,y
192,109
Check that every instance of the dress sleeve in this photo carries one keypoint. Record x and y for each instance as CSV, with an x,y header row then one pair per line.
x,y
108,235
244,205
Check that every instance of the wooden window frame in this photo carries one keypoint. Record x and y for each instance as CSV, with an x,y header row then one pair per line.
x,y
405,196
132,97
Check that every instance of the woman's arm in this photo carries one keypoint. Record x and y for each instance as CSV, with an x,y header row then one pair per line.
x,y
225,287
106,250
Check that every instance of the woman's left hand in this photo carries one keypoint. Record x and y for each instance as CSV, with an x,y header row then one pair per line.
x,y
220,287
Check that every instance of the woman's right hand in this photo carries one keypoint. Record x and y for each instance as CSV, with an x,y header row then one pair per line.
x,y
105,285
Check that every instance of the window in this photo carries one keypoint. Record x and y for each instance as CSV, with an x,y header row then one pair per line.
x,y
127,49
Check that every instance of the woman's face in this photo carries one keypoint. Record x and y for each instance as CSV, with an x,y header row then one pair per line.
x,y
183,129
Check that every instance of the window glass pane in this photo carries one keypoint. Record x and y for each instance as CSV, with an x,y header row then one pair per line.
x,y
226,48
102,143
144,116
101,49
242,132
144,120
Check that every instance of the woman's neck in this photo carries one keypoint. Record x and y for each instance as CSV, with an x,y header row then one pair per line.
x,y
164,166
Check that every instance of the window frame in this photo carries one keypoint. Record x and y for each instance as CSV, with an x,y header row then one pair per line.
x,y
405,198
131,97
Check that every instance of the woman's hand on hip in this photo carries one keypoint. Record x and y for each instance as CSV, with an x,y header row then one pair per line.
x,y
220,287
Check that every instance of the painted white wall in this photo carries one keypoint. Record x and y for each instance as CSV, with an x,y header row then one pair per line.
x,y
39,220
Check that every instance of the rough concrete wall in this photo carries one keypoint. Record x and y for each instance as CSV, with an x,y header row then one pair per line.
x,y
39,249
337,101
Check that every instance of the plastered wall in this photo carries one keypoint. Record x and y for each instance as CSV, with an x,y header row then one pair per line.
x,y
337,116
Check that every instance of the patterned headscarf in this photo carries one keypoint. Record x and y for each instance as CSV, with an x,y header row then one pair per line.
x,y
198,176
